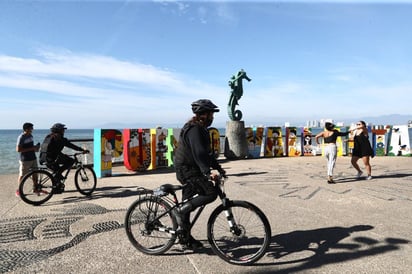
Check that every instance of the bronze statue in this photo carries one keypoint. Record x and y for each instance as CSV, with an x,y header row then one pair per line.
x,y
235,84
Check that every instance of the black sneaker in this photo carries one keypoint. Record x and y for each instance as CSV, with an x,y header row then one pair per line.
x,y
59,189
182,236
58,178
193,243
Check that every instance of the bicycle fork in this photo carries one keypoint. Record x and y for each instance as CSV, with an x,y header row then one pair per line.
x,y
230,219
83,174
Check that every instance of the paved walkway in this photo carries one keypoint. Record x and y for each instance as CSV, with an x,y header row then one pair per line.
x,y
354,226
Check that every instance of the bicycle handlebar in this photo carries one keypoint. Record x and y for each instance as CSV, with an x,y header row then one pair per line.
x,y
220,179
79,153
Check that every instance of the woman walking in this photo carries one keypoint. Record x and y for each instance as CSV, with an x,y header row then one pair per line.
x,y
362,149
329,135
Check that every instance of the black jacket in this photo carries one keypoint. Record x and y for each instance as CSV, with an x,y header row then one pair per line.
x,y
53,145
194,151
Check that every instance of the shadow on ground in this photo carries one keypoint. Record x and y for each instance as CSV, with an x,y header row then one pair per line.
x,y
323,246
377,177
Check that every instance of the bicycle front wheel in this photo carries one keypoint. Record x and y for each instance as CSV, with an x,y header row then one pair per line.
x,y
150,226
240,233
36,187
85,180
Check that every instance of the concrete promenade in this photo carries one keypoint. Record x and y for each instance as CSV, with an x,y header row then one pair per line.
x,y
354,226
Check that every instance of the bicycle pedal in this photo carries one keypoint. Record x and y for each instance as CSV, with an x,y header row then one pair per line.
x,y
59,189
191,244
183,238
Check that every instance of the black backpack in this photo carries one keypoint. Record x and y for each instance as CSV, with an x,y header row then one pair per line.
x,y
43,149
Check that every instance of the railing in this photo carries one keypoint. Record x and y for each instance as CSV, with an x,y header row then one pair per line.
x,y
88,158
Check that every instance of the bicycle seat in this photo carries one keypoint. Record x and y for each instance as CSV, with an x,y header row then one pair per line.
x,y
169,188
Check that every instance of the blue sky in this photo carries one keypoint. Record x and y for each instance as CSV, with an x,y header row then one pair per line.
x,y
141,63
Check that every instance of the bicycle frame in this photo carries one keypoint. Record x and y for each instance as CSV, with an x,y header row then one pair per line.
x,y
77,164
238,231
176,203
36,191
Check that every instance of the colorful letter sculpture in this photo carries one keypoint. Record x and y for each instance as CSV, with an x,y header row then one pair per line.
x,y
172,140
107,145
146,149
307,147
214,141
159,148
254,138
379,139
137,149
293,142
273,142
399,142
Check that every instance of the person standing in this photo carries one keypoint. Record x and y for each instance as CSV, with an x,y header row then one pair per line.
x,y
329,135
362,149
193,162
25,146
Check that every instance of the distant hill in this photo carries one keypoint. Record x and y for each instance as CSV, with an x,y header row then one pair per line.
x,y
390,119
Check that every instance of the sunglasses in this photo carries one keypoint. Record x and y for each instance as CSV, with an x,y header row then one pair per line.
x,y
359,124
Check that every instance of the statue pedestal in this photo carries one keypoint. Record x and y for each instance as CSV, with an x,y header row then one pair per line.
x,y
235,141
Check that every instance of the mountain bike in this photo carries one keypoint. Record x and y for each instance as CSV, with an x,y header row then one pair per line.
x,y
39,185
237,231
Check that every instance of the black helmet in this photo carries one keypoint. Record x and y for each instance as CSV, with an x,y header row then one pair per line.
x,y
27,126
58,128
204,105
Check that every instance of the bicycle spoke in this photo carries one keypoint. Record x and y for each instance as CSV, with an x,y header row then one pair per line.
x,y
146,231
36,187
85,180
246,240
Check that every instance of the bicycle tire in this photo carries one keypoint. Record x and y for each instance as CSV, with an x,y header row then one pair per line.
x,y
251,239
150,237
85,180
36,193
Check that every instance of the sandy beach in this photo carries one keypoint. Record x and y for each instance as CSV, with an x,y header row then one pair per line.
x,y
353,226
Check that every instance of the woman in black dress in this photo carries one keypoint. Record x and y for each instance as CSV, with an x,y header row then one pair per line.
x,y
362,149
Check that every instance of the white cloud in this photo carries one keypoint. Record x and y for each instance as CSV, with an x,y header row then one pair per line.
x,y
93,88
90,66
86,90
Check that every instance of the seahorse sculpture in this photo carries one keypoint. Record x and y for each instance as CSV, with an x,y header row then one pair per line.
x,y
236,86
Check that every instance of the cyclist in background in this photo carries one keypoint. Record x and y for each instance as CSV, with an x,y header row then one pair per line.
x,y
193,162
51,152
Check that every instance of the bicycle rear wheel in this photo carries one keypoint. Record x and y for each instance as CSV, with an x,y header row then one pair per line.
x,y
239,234
36,187
85,180
149,224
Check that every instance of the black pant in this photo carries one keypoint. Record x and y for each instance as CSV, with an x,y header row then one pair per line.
x,y
62,163
197,183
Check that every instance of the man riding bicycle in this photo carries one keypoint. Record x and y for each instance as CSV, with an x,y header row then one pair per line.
x,y
51,152
193,162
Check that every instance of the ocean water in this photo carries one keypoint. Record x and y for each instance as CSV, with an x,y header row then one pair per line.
x,y
9,163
